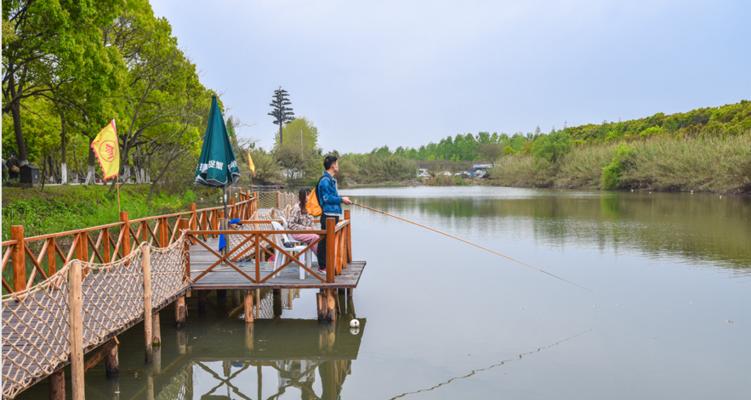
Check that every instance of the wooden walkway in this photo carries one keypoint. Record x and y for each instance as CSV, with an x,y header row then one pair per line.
x,y
226,277
116,275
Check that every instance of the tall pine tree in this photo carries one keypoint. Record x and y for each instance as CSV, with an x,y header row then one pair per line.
x,y
281,110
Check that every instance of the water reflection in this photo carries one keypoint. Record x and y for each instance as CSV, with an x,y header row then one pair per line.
x,y
698,227
269,359
291,358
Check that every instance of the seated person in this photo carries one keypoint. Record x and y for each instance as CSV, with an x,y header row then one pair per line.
x,y
300,220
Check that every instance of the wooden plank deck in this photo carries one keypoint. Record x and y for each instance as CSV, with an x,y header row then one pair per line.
x,y
225,277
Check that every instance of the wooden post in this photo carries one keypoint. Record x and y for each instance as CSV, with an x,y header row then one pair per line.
x,y
82,247
184,224
248,306
75,303
326,301
231,209
147,308
255,203
106,254
156,337
277,302
19,258
180,312
278,198
330,249
111,359
57,385
51,258
194,217
348,236
126,235
163,232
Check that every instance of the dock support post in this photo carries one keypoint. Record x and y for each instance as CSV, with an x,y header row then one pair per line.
x,y
156,338
277,302
111,359
57,385
180,312
75,302
248,307
147,308
326,300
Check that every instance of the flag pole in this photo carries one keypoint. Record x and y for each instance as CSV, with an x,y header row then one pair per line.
x,y
117,185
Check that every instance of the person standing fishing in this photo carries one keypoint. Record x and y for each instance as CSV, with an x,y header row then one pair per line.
x,y
331,202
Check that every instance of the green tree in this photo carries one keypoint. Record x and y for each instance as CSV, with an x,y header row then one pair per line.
x,y
47,44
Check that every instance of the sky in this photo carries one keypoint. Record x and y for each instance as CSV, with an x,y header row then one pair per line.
x,y
405,73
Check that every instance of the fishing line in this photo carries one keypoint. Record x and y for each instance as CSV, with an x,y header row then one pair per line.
x,y
489,250
489,367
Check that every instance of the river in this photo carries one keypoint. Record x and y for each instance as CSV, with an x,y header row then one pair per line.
x,y
655,303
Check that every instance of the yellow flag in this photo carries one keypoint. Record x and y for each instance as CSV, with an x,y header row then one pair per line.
x,y
107,150
251,165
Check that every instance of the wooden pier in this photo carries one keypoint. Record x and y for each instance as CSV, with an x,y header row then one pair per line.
x,y
114,276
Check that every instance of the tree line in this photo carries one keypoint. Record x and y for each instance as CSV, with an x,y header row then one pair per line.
x,y
70,67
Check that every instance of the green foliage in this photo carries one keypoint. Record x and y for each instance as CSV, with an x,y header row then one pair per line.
x,y
375,167
299,155
268,170
61,208
611,173
551,147
85,63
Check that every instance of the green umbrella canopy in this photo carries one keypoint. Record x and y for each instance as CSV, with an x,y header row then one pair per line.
x,y
216,166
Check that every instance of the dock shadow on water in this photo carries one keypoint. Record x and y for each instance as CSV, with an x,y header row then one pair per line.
x,y
217,356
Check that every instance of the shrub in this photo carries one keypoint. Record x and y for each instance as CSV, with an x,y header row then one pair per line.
x,y
611,173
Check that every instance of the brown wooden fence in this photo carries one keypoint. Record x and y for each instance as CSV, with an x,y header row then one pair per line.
x,y
30,260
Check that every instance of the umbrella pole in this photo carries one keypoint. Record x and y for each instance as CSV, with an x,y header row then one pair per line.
x,y
224,220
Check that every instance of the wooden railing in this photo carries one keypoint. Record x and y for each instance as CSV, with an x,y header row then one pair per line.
x,y
258,244
33,259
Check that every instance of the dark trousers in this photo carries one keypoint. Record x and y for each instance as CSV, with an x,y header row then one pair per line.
x,y
322,244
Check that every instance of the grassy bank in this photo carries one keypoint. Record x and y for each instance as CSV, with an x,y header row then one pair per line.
x,y
707,164
60,208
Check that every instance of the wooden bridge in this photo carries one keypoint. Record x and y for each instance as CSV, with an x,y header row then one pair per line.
x,y
116,275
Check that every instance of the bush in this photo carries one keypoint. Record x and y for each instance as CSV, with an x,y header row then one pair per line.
x,y
582,167
611,173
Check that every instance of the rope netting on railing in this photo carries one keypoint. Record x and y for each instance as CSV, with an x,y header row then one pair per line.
x,y
277,199
36,321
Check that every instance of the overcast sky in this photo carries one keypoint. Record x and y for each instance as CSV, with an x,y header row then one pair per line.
x,y
369,73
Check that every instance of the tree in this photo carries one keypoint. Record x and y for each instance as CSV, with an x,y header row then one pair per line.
x,y
43,42
299,155
281,110
490,151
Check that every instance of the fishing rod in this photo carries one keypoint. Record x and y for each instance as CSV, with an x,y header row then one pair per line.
x,y
486,249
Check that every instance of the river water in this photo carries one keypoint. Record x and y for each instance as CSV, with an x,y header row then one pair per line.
x,y
659,306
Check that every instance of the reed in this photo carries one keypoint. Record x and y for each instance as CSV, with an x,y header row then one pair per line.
x,y
702,164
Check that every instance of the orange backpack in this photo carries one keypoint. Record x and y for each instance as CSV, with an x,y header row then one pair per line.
x,y
312,205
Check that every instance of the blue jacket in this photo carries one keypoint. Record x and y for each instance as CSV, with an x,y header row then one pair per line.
x,y
328,196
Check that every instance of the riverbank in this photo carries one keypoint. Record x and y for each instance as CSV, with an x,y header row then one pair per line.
x,y
61,208
703,164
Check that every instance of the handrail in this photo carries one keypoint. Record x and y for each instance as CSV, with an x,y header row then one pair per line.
x,y
32,259
245,232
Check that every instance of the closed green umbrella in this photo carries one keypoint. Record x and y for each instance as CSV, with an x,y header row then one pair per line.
x,y
217,166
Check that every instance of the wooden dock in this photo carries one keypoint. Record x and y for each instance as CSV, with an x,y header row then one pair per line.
x,y
116,275
226,277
